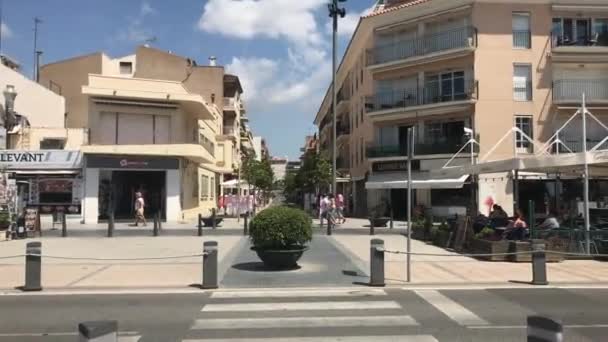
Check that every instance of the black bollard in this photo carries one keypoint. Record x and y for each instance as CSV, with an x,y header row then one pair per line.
x,y
544,329
209,265
213,223
329,226
98,331
160,221
64,226
111,224
245,227
155,226
376,262
372,230
392,219
33,266
539,263
200,225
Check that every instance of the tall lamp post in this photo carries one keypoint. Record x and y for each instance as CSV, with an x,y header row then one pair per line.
x,y
334,12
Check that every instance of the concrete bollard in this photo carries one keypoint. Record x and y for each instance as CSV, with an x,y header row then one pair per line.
x,y
209,265
376,262
213,223
64,226
543,329
33,266
200,225
245,226
372,230
155,226
111,224
98,331
539,263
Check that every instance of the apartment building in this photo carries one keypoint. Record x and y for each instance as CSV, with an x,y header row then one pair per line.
x,y
458,69
40,160
158,123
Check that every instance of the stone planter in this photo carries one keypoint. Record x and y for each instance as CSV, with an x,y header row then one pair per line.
x,y
208,221
479,246
526,246
441,238
280,259
379,221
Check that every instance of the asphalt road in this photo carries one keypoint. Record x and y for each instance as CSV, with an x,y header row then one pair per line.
x,y
376,315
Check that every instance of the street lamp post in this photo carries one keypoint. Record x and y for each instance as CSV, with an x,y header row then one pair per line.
x,y
334,12
9,104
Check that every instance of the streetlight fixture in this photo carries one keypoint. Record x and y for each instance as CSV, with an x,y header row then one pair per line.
x,y
5,120
334,12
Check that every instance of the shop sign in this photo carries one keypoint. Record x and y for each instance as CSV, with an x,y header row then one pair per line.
x,y
394,165
41,159
132,162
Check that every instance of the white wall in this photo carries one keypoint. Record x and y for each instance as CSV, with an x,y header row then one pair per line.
x,y
173,190
42,107
257,147
91,194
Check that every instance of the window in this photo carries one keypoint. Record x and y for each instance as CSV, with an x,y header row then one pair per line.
x,y
521,30
580,31
361,117
522,82
212,98
445,87
195,188
212,194
52,144
524,123
204,187
126,68
356,119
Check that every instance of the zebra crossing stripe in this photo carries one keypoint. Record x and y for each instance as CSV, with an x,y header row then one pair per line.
x,y
392,338
304,322
298,293
450,308
309,306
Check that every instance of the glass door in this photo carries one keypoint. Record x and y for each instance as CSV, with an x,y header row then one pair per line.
x,y
582,31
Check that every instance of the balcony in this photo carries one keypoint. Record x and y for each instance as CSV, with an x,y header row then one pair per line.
x,y
457,42
431,96
420,149
570,91
576,145
586,48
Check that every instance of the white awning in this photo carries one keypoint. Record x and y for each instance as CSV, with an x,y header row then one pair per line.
x,y
419,181
234,183
45,172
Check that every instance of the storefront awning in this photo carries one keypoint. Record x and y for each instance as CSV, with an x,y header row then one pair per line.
x,y
419,181
46,172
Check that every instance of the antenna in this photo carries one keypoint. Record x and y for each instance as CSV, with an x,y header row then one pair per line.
x,y
1,3
36,65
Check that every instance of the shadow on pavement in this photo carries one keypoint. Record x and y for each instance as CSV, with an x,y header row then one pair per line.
x,y
260,267
140,232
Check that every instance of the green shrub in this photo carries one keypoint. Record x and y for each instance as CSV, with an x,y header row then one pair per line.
x,y
485,233
444,226
280,228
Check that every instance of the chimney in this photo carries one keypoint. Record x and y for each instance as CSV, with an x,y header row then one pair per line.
x,y
212,61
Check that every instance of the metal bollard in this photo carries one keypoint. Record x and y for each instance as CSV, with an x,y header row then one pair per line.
x,y
200,225
33,266
160,221
245,227
539,263
98,331
213,223
111,224
372,230
329,226
155,226
209,265
376,262
392,219
64,226
543,329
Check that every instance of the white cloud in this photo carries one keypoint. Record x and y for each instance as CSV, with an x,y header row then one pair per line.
x,y
136,30
6,31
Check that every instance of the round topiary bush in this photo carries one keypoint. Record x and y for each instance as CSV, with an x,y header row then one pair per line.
x,y
280,228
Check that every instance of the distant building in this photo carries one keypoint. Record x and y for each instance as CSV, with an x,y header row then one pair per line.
x,y
279,167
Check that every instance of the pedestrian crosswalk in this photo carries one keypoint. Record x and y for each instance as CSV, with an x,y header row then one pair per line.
x,y
304,316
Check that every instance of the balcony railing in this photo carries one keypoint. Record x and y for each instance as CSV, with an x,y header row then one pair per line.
x,y
572,90
522,39
432,93
420,149
229,130
442,41
576,145
596,39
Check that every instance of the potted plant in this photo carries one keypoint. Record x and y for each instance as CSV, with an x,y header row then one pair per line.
x,y
551,244
279,236
441,235
418,230
488,242
5,220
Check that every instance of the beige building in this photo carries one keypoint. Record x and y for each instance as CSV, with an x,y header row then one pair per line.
x,y
159,124
448,67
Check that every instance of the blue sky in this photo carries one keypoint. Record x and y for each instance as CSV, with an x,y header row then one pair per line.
x,y
281,49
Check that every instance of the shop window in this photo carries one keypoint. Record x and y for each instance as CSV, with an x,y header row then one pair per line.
x,y
52,144
55,191
204,187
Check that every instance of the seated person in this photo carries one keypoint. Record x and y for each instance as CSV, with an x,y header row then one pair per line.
x,y
516,230
480,222
499,217
550,222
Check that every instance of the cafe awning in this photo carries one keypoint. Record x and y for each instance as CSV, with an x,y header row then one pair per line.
x,y
398,180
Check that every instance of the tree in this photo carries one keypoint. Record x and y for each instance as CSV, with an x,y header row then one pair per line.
x,y
258,174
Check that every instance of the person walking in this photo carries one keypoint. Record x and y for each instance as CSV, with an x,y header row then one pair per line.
x,y
323,207
340,208
139,209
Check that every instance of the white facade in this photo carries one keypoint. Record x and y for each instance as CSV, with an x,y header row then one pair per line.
x,y
257,147
279,168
